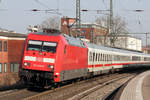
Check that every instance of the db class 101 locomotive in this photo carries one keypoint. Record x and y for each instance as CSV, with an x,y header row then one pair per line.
x,y
51,58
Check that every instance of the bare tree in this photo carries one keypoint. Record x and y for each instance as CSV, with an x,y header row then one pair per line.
x,y
103,21
119,26
51,23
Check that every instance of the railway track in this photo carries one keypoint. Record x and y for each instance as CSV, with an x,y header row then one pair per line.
x,y
115,94
99,87
80,90
77,90
18,94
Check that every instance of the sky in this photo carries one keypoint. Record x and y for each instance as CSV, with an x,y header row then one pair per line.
x,y
16,15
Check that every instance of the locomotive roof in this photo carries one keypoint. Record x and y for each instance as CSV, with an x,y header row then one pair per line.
x,y
50,34
71,40
114,49
74,41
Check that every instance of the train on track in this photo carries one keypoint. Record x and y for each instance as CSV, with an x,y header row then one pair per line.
x,y
51,58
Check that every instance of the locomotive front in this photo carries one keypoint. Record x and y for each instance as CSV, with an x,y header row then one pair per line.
x,y
39,60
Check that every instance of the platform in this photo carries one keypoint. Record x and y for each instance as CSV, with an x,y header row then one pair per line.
x,y
138,88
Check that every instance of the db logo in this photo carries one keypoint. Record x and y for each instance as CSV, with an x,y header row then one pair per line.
x,y
39,59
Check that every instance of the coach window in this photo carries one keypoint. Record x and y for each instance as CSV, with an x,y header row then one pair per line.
x,y
110,57
5,67
104,57
95,56
0,46
90,56
5,45
99,57
107,57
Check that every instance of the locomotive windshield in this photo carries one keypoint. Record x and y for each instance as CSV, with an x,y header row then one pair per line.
x,y
42,46
49,47
34,45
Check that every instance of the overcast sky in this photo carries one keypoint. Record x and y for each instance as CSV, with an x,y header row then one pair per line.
x,y
17,15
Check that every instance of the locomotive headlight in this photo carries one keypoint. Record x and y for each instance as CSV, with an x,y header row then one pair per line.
x,y
50,66
26,64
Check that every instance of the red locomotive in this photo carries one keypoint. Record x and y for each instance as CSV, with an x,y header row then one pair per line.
x,y
50,58
54,58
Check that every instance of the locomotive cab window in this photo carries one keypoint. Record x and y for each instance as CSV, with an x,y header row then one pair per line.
x,y
49,47
42,46
34,45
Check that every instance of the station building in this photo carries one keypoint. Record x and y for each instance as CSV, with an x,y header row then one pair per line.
x,y
87,30
11,50
122,41
146,49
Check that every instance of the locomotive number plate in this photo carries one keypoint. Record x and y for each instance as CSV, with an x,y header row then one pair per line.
x,y
39,59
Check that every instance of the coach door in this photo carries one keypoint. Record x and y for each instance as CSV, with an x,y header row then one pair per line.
x,y
106,61
94,62
91,56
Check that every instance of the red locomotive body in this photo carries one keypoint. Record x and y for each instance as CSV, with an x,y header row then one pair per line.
x,y
52,58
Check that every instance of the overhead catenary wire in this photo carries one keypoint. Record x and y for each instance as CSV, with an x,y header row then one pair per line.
x,y
49,10
57,5
104,4
42,4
